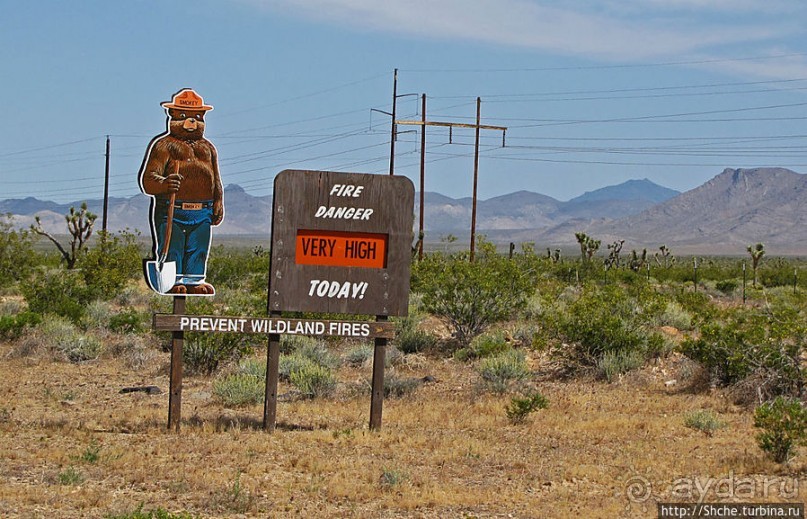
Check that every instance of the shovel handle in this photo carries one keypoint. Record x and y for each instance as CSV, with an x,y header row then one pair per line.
x,y
169,223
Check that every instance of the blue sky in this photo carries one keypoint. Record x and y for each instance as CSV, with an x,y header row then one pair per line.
x,y
593,92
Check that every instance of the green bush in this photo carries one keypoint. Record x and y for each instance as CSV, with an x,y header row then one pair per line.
x,y
501,371
109,263
784,427
471,295
128,321
607,320
239,389
313,381
205,352
57,291
727,286
358,355
80,348
398,387
485,345
409,338
703,420
520,407
768,344
615,363
13,326
16,253
58,335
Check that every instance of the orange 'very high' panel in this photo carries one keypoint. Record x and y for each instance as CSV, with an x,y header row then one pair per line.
x,y
341,249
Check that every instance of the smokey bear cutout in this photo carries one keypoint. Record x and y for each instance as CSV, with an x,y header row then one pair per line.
x,y
180,173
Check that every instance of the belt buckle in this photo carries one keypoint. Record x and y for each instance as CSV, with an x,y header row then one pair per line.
x,y
191,206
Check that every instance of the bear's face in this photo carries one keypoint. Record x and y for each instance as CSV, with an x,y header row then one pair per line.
x,y
186,124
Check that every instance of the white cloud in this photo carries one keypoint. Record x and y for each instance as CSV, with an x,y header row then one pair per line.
x,y
624,31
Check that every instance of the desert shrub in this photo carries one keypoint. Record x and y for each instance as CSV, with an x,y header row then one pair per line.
x,y
97,315
313,381
109,264
501,371
409,338
698,305
71,476
13,326
16,253
128,321
253,367
290,363
485,345
133,350
231,267
391,478
60,336
80,348
727,286
704,420
239,389
615,363
358,355
784,427
471,295
520,407
318,353
205,352
674,315
607,320
290,343
768,344
57,291
399,387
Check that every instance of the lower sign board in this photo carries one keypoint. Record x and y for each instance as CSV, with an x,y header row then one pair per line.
x,y
272,325
341,243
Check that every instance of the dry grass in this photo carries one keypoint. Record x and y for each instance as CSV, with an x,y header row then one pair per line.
x,y
446,450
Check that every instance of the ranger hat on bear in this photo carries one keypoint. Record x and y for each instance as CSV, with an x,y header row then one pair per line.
x,y
187,99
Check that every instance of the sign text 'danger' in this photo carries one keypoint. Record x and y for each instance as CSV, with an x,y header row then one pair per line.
x,y
341,249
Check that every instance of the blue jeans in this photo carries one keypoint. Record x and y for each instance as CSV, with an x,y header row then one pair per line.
x,y
190,239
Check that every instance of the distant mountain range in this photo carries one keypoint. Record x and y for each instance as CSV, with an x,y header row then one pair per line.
x,y
734,209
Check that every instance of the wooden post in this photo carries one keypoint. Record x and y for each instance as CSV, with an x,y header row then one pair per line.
x,y
377,398
422,178
745,281
175,391
476,179
272,368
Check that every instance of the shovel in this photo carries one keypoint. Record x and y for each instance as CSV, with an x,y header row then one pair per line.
x,y
162,275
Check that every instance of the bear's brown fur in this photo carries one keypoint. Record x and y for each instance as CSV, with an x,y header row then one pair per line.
x,y
196,157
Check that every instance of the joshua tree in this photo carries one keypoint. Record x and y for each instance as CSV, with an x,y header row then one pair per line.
x,y
588,245
637,261
756,252
666,255
613,254
79,224
554,257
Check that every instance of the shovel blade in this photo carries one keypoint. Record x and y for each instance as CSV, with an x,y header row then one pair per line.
x,y
161,279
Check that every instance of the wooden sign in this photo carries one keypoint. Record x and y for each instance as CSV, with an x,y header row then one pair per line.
x,y
273,325
341,243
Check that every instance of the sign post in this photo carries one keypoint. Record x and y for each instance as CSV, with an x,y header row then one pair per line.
x,y
341,244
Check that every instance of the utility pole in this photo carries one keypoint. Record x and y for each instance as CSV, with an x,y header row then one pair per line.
x,y
476,176
106,187
394,127
392,131
422,175
423,122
